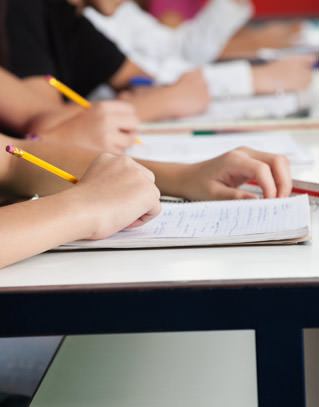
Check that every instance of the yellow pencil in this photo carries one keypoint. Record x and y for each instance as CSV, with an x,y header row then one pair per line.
x,y
43,164
75,97
69,93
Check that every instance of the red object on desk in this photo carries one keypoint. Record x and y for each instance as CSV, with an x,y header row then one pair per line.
x,y
265,8
294,190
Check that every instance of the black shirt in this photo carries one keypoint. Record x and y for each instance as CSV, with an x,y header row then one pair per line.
x,y
47,37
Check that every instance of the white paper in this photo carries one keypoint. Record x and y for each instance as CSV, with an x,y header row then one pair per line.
x,y
256,107
194,149
309,35
223,221
225,218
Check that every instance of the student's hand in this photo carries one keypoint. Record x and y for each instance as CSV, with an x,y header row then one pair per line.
x,y
188,96
286,75
115,193
249,40
276,35
109,126
219,178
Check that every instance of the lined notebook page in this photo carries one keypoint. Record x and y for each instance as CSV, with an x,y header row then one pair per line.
x,y
193,149
223,220
226,218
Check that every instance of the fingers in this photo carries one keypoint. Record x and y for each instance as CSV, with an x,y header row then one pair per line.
x,y
127,123
224,193
280,169
271,171
147,217
125,95
123,141
155,206
259,171
115,106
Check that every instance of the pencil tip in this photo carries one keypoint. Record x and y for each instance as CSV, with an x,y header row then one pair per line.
x,y
10,149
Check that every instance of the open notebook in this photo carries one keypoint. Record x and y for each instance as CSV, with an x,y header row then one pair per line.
x,y
216,223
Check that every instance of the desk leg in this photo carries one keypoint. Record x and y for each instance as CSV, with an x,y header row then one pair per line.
x,y
280,367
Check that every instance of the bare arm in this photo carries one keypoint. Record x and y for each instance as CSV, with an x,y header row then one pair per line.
x,y
24,179
249,40
123,76
25,226
119,80
188,96
220,177
18,104
23,110
114,193
213,179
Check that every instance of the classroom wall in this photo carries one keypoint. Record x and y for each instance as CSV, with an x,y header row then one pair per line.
x,y
286,7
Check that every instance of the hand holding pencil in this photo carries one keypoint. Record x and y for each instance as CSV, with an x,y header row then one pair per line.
x,y
117,120
115,192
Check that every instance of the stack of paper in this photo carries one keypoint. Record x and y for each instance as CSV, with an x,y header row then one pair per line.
x,y
216,223
255,107
194,149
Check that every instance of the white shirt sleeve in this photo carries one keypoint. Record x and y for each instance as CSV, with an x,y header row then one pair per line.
x,y
229,79
159,53
202,39
198,41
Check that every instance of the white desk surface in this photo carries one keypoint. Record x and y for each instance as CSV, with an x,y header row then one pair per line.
x,y
232,265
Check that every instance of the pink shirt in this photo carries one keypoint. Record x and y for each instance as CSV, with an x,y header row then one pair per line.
x,y
186,8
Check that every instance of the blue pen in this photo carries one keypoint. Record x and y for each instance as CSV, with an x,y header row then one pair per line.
x,y
142,81
315,65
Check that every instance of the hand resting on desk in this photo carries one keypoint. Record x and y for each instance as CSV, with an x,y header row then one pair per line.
x,y
219,178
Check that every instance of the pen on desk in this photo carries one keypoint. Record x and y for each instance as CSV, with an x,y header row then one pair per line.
x,y
204,133
214,132
40,163
75,97
294,190
142,81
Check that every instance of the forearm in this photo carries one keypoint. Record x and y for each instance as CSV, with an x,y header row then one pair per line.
x,y
25,179
18,104
169,177
32,227
123,76
48,121
157,104
24,110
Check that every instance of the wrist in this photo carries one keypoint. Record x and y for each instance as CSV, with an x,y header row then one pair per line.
x,y
96,220
260,80
172,106
178,176
77,208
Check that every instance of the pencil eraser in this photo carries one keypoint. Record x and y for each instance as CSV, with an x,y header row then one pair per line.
x,y
10,149
48,77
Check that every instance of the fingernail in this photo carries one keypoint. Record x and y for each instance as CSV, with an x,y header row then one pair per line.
x,y
32,137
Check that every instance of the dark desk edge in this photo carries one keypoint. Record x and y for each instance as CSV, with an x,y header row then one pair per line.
x,y
147,286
